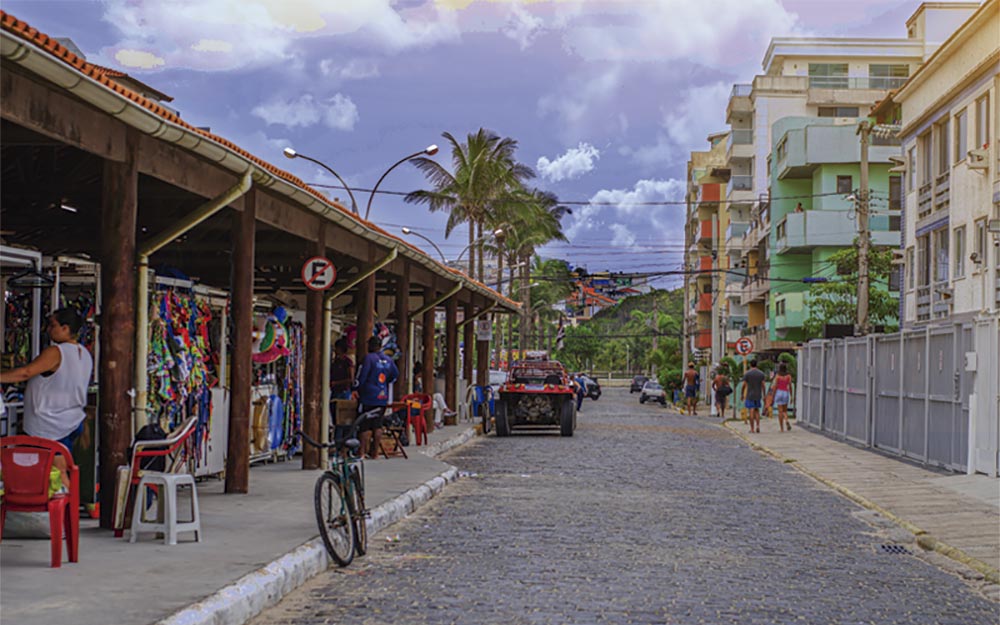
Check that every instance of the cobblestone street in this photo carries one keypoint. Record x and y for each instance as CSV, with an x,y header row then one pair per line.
x,y
642,517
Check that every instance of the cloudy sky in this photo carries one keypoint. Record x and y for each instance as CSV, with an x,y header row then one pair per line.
x,y
606,98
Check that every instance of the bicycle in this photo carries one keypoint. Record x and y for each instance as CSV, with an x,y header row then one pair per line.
x,y
339,496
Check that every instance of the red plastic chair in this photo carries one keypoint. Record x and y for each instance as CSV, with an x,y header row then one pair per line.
x,y
27,462
419,420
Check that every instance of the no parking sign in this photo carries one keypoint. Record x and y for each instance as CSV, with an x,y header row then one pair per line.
x,y
744,346
318,273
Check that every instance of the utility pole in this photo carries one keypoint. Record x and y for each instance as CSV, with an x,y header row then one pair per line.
x,y
656,329
861,328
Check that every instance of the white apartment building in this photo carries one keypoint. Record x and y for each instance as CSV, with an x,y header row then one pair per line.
x,y
952,182
808,76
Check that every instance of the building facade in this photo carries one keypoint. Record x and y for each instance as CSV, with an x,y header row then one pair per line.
x,y
949,121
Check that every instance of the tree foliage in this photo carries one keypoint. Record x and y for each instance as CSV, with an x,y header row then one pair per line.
x,y
836,302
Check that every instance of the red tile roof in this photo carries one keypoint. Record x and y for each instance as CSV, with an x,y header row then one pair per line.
x,y
104,75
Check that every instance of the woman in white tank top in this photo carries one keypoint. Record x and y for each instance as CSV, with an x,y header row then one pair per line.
x,y
56,395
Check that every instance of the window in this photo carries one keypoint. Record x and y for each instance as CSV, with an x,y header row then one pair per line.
x,y
895,279
910,269
780,231
961,134
779,307
980,245
982,122
923,261
942,148
781,150
911,169
844,184
959,247
895,193
828,75
926,159
941,255
838,111
887,76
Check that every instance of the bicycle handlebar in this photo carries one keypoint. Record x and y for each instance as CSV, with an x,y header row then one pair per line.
x,y
354,428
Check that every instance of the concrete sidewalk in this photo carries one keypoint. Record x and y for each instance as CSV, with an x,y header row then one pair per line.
x,y
256,548
946,511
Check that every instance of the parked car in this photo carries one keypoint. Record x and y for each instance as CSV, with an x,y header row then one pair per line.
x,y
637,383
652,391
593,387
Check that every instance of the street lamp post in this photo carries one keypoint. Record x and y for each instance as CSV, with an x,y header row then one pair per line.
x,y
409,231
290,153
430,150
496,233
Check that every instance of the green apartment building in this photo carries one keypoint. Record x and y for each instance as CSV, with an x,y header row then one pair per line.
x,y
815,163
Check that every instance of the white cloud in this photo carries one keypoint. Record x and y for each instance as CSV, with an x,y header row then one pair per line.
x,y
213,45
522,26
337,112
139,59
573,164
181,31
354,69
623,237
631,205
579,95
701,111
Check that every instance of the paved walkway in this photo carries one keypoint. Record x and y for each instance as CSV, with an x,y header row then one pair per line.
x,y
962,511
118,582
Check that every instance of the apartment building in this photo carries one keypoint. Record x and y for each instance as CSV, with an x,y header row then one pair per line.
x,y
814,176
806,77
949,118
704,256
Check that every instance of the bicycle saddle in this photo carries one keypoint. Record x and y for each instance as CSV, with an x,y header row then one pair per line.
x,y
352,444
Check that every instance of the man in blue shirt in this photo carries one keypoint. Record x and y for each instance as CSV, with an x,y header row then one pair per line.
x,y
375,376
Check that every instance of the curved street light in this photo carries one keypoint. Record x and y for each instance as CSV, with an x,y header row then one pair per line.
x,y
430,150
408,231
290,153
496,233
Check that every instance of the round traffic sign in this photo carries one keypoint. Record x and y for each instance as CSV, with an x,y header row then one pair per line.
x,y
744,346
318,273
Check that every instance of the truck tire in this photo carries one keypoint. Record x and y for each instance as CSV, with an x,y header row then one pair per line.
x,y
567,419
500,420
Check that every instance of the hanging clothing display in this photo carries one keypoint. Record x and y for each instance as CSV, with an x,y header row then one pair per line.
x,y
18,328
279,358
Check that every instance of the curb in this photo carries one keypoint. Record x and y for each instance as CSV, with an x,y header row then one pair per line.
x,y
250,595
439,448
925,540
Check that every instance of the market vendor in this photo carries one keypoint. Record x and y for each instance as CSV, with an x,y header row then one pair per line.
x,y
56,395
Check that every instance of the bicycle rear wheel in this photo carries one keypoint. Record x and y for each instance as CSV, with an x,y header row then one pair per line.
x,y
333,516
358,513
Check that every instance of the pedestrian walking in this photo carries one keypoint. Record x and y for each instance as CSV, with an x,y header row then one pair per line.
x,y
581,390
722,390
753,394
782,389
691,388
375,375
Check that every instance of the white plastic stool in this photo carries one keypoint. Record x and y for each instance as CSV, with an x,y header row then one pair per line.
x,y
166,503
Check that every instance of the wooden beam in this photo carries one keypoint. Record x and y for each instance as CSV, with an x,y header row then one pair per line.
x,y
241,362
179,168
119,202
403,332
428,352
312,414
451,357
366,311
52,113
468,344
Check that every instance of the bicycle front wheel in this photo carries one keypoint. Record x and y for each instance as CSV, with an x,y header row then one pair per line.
x,y
358,513
333,516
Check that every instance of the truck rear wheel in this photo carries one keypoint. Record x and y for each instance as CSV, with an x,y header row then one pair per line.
x,y
567,419
500,419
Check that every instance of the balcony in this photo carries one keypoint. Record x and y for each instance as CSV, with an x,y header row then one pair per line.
x,y
740,144
740,189
934,301
702,339
739,100
704,303
925,200
705,263
760,337
860,82
755,288
799,232
942,191
795,311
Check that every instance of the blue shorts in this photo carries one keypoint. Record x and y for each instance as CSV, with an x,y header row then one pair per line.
x,y
752,403
691,390
70,439
781,398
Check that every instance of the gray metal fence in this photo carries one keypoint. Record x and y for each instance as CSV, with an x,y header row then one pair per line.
x,y
906,393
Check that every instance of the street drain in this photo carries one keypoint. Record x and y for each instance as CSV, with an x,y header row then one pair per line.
x,y
895,550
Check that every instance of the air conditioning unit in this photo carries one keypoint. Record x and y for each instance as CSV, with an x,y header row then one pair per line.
x,y
899,164
898,258
978,159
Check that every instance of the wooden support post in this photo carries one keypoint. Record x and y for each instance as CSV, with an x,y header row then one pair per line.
x,y
119,204
241,362
403,331
451,356
483,361
428,357
312,393
468,345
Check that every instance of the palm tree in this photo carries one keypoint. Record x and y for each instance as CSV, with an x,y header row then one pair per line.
x,y
484,172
